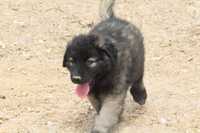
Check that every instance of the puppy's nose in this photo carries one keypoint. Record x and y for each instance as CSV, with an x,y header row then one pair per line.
x,y
76,79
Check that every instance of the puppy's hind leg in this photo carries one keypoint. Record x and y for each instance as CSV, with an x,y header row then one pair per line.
x,y
138,91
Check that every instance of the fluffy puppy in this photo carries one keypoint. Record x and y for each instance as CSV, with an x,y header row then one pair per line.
x,y
105,63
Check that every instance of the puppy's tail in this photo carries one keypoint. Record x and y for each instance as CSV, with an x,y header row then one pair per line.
x,y
106,9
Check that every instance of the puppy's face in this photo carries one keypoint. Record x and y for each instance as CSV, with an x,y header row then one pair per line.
x,y
85,60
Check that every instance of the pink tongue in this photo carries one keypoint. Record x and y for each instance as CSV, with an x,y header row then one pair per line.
x,y
83,90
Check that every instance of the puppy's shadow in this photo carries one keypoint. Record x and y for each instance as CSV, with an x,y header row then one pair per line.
x,y
132,111
131,107
83,121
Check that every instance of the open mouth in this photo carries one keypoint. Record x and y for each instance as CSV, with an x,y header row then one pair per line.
x,y
82,90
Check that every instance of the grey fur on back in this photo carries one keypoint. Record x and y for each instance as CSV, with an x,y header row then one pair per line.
x,y
106,9
128,41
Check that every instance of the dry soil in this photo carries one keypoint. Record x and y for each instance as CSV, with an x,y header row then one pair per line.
x,y
37,96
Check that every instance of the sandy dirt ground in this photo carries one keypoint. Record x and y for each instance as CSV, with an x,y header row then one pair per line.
x,y
37,96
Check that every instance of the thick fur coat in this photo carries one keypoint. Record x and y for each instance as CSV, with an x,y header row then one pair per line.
x,y
110,58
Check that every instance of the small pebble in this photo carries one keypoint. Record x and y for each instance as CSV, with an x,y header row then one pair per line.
x,y
163,121
51,127
2,45
41,41
23,72
2,97
24,94
20,23
11,68
29,109
49,50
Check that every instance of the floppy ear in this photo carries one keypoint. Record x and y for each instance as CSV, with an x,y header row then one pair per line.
x,y
65,54
64,59
106,45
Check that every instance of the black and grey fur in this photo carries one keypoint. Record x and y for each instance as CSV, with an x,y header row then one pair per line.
x,y
111,58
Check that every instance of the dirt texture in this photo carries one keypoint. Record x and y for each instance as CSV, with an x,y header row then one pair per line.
x,y
37,96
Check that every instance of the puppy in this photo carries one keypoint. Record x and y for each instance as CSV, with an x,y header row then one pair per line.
x,y
105,63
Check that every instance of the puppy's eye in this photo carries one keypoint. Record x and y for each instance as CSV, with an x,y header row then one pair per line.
x,y
70,61
91,62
